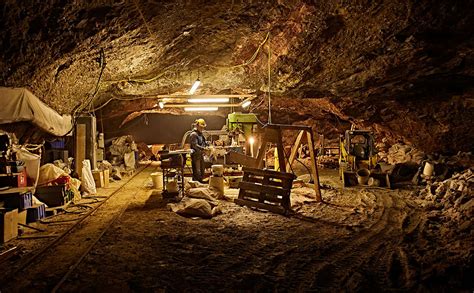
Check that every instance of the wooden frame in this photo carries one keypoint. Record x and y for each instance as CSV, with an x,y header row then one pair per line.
x,y
273,134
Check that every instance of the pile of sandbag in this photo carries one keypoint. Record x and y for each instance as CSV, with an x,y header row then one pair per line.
x,y
200,201
401,153
452,199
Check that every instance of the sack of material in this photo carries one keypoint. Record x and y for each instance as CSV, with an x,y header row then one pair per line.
x,y
204,193
129,159
88,183
194,207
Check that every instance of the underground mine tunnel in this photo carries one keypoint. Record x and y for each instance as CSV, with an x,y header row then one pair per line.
x,y
236,145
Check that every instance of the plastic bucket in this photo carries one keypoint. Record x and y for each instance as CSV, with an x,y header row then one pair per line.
x,y
373,182
172,186
217,170
363,176
157,179
428,169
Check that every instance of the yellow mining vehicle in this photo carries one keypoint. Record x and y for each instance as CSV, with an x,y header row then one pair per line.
x,y
358,160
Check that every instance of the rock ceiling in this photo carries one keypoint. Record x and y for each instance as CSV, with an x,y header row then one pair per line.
x,y
403,68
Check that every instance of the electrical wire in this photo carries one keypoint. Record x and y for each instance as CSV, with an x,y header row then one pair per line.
x,y
250,60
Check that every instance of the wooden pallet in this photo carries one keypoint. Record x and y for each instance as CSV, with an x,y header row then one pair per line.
x,y
268,190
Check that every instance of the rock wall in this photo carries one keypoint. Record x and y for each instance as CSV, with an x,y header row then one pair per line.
x,y
403,67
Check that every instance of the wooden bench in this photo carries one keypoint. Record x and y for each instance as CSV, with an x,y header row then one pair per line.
x,y
264,189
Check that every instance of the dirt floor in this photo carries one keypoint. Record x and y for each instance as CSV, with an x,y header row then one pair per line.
x,y
357,240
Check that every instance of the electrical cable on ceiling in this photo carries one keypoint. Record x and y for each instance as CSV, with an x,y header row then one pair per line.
x,y
143,18
250,60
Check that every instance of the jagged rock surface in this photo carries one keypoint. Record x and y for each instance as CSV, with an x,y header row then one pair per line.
x,y
404,68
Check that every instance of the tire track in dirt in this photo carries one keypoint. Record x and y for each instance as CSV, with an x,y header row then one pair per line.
x,y
337,267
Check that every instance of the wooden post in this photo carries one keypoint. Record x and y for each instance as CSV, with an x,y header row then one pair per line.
x,y
80,149
281,151
294,150
314,166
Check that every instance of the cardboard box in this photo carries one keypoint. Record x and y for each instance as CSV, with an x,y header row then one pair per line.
x,y
22,217
98,178
8,225
106,178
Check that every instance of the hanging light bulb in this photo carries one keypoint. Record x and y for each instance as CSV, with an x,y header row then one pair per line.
x,y
195,86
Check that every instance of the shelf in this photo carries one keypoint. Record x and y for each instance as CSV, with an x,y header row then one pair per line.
x,y
16,190
9,174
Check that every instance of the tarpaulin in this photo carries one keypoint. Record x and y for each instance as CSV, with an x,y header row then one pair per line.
x,y
19,104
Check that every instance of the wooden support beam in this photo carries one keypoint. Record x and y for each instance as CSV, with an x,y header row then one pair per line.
x,y
80,147
294,150
314,166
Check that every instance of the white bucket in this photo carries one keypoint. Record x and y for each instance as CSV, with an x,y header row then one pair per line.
x,y
172,186
217,170
363,176
157,179
373,182
428,169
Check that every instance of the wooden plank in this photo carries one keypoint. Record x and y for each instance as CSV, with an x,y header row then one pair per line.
x,y
294,150
281,152
314,167
264,188
261,152
262,197
80,150
263,206
271,173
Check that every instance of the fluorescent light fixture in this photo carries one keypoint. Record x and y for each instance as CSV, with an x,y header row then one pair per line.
x,y
200,109
195,86
209,100
246,104
161,104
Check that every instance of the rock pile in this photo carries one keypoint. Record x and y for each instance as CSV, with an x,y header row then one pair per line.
x,y
401,153
452,199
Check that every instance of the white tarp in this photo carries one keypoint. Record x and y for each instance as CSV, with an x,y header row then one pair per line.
x,y
19,104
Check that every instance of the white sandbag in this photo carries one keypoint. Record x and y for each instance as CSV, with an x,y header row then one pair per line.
x,y
88,183
196,208
217,185
129,159
32,163
204,193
